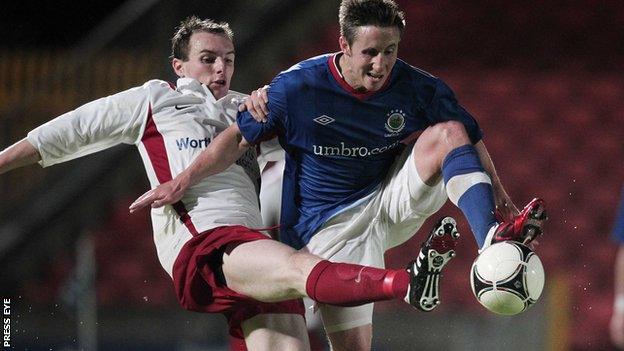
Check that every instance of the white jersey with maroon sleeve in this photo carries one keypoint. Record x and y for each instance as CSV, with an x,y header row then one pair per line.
x,y
170,126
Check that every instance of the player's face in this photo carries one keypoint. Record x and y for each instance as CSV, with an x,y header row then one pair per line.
x,y
368,61
210,61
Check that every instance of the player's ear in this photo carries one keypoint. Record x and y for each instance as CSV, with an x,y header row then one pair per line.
x,y
344,46
178,67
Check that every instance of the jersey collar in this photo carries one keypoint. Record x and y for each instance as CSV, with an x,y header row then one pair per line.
x,y
332,61
194,87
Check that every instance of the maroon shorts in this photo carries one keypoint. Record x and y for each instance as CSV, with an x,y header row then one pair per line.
x,y
200,287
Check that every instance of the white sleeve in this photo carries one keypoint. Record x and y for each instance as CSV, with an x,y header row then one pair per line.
x,y
93,127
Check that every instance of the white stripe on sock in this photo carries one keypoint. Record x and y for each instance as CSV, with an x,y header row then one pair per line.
x,y
458,185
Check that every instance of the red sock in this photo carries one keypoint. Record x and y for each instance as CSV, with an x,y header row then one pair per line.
x,y
344,284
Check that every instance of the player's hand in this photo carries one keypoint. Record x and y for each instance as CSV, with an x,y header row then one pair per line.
x,y
256,104
617,329
164,194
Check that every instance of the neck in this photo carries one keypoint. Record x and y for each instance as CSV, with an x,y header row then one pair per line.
x,y
345,69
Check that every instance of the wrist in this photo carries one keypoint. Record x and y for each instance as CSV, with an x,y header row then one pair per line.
x,y
184,180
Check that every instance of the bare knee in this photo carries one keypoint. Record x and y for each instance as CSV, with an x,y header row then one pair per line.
x,y
267,271
300,266
447,135
434,144
439,139
290,277
304,262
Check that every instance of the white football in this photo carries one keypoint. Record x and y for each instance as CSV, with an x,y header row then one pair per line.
x,y
507,278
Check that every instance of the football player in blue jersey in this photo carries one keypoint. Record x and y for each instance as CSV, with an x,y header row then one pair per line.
x,y
354,184
617,319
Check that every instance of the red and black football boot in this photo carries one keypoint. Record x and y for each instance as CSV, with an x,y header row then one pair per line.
x,y
524,227
435,253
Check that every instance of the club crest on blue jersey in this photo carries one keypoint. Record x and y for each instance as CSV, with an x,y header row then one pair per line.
x,y
395,122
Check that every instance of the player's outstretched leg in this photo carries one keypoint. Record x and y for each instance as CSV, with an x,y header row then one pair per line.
x,y
435,253
524,227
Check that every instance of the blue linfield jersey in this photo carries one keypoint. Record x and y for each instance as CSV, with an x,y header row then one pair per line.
x,y
340,144
618,228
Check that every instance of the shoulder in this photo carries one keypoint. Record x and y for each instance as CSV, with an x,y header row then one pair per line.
x,y
156,87
303,73
415,74
311,65
157,91
315,62
148,91
158,84
422,82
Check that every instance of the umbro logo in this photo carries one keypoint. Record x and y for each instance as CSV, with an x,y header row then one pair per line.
x,y
323,120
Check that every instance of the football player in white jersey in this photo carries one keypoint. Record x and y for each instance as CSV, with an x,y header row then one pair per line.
x,y
206,241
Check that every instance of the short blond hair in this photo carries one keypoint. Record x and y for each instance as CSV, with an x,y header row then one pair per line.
x,y
182,35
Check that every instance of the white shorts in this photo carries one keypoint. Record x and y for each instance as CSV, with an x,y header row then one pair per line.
x,y
362,233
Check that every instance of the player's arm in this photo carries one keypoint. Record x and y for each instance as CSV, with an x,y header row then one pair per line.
x,y
18,155
617,319
226,148
503,202
92,127
221,153
89,128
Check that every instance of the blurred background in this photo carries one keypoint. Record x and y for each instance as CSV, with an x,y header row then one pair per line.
x,y
544,79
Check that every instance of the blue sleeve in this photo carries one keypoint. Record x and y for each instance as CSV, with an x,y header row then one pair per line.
x,y
444,107
618,227
256,132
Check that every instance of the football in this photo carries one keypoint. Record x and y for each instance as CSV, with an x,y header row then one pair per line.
x,y
507,278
